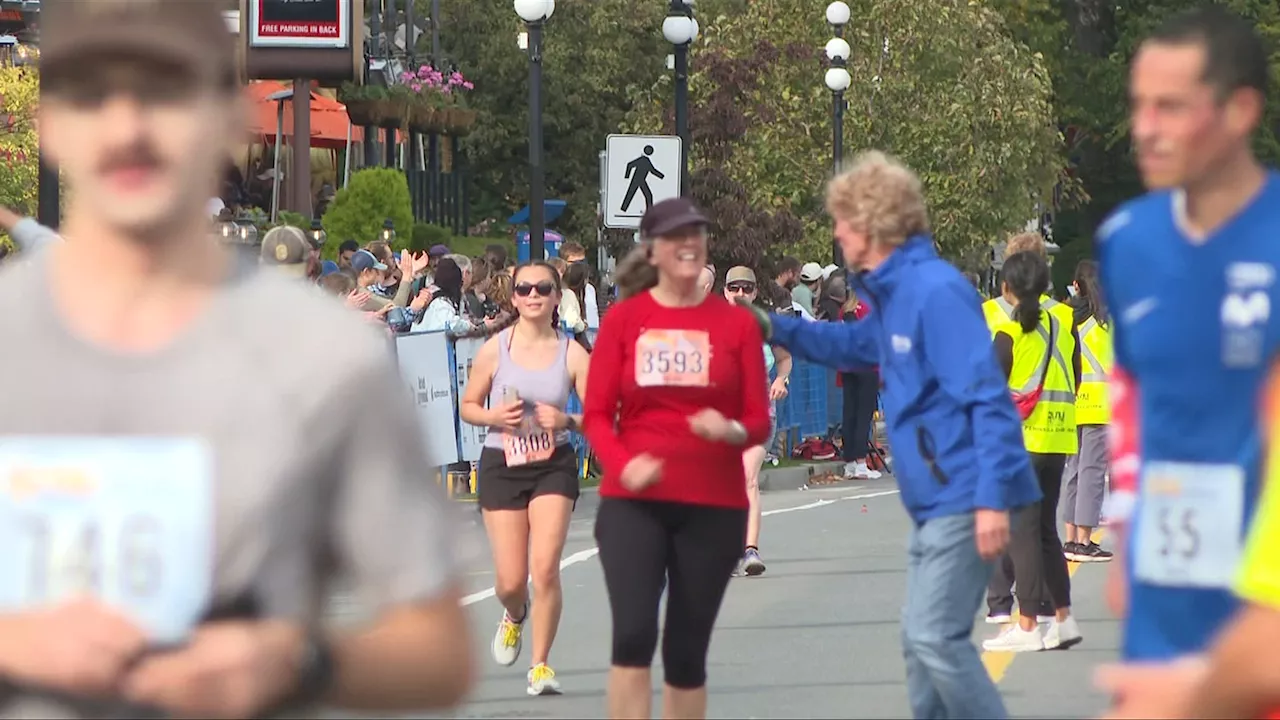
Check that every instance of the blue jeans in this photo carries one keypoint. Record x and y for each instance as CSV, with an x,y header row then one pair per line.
x,y
946,581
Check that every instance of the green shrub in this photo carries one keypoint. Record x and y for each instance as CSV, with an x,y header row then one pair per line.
x,y
293,219
427,234
359,209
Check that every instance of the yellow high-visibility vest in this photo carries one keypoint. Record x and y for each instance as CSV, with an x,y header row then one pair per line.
x,y
1051,428
998,311
1096,360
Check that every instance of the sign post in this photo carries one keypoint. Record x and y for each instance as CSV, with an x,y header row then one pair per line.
x,y
639,170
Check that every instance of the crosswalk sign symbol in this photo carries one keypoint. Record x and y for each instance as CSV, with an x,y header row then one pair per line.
x,y
640,170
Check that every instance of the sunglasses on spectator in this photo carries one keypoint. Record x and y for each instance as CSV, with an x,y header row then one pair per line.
x,y
544,289
745,288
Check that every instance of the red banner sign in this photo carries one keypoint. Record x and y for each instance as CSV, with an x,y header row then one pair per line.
x,y
300,23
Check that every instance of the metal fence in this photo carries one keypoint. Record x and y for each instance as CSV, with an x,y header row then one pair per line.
x,y
436,369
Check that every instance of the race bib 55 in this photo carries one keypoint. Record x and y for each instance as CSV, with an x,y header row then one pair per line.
x,y
1190,524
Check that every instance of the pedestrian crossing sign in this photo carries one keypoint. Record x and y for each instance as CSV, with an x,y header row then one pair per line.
x,y
640,170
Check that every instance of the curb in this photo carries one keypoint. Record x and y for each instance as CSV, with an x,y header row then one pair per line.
x,y
774,479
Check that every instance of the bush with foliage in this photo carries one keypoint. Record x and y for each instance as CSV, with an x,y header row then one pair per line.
x,y
427,234
359,209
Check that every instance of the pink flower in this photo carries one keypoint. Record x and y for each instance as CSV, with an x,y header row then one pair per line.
x,y
468,85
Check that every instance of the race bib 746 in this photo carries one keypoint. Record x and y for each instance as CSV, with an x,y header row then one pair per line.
x,y
128,521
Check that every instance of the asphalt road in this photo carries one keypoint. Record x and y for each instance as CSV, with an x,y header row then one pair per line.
x,y
816,636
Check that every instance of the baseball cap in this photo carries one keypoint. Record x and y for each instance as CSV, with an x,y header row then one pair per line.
x,y
285,247
811,272
739,274
328,267
438,251
826,271
188,34
669,215
364,260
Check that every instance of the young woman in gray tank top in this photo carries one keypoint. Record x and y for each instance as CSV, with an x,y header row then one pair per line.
x,y
528,481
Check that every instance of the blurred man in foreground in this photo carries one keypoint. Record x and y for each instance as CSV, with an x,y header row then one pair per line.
x,y
199,444
1189,271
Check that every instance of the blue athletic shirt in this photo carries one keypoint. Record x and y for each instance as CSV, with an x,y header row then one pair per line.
x,y
1194,331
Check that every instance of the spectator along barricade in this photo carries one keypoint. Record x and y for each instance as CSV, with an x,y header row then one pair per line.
x,y
436,366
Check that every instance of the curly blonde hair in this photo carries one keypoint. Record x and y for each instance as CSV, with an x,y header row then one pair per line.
x,y
880,196
1026,242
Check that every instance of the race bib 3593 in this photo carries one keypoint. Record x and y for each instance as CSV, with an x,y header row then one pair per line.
x,y
673,358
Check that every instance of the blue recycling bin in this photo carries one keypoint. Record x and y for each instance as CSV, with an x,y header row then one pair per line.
x,y
550,240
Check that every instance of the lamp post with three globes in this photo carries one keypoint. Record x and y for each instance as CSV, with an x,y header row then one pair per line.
x,y
837,80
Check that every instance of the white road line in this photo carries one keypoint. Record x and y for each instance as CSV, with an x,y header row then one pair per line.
x,y
584,555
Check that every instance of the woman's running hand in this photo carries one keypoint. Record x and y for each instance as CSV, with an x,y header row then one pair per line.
x,y
778,390
510,416
550,418
991,531
643,471
710,425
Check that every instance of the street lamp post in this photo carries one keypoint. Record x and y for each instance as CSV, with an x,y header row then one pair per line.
x,y
318,235
388,231
680,29
837,80
48,195
535,13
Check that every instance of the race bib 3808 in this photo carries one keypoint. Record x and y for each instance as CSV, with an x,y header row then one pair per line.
x,y
128,521
1190,524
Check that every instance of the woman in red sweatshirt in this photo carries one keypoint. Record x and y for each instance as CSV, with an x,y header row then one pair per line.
x,y
676,392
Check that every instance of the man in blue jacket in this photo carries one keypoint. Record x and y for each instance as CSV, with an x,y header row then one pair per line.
x,y
956,438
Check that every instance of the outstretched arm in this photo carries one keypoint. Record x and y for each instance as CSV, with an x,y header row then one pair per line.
x,y
831,344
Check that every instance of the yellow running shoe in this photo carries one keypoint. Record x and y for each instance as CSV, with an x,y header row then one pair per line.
x,y
508,640
542,680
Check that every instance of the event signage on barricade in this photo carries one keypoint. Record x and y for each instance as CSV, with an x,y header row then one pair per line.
x,y
299,23
426,364
470,437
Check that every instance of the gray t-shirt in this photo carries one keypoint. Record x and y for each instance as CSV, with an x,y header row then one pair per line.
x,y
318,471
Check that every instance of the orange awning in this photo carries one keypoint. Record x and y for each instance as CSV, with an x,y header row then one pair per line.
x,y
328,117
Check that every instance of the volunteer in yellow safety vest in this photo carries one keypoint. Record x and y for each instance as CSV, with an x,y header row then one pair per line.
x,y
998,311
1041,356
1086,473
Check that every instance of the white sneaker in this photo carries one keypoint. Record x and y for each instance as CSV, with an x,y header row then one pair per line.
x,y
508,640
858,470
542,680
1014,639
1062,635
999,618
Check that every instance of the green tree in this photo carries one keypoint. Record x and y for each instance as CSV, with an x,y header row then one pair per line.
x,y
596,55
19,156
359,209
942,85
1087,45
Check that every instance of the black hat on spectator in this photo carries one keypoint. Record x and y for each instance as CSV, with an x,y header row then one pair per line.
x,y
670,215
438,251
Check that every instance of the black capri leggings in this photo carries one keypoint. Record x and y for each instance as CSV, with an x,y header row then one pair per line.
x,y
695,547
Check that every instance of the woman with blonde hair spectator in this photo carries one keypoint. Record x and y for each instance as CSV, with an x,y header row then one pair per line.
x,y
957,439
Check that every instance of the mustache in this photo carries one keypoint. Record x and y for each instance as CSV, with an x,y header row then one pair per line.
x,y
142,154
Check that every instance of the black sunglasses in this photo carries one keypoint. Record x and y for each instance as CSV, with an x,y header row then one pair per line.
x,y
741,287
544,288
